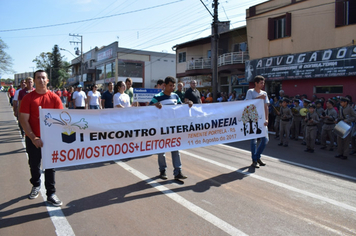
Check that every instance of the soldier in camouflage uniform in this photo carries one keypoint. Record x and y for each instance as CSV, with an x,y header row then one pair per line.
x,y
311,121
284,127
296,121
306,102
319,110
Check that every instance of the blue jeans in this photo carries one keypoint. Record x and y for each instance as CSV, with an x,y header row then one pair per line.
x,y
256,153
175,159
94,107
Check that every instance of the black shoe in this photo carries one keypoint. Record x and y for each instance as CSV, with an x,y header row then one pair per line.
x,y
306,150
331,149
163,174
35,191
254,164
261,162
338,156
285,145
180,176
54,200
304,143
280,144
343,157
323,147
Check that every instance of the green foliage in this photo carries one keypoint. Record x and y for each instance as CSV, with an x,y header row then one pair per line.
x,y
55,66
43,61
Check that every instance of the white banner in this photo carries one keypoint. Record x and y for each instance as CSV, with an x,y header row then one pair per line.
x,y
76,137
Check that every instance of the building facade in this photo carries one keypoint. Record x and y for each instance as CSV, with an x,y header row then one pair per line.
x,y
303,46
194,61
21,76
112,63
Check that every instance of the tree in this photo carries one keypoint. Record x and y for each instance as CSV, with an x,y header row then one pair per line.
x,y
5,60
43,61
55,66
64,73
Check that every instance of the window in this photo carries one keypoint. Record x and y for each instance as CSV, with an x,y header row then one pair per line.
x,y
130,69
240,47
182,57
108,71
329,89
345,12
280,27
100,72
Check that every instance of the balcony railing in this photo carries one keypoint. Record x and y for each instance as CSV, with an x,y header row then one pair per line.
x,y
199,64
225,59
232,58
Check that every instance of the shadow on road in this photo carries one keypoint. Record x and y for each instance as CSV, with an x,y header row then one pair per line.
x,y
116,196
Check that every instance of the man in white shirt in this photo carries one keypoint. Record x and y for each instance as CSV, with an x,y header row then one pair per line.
x,y
258,93
79,98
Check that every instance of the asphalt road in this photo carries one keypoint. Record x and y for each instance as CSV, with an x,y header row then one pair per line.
x,y
296,193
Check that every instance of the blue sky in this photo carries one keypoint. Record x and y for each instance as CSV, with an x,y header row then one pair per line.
x,y
154,25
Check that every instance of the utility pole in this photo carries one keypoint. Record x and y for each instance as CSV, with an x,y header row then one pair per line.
x,y
214,50
81,52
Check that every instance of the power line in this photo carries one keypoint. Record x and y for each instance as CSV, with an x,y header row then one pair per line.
x,y
92,19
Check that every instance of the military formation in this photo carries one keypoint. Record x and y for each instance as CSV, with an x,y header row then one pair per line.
x,y
329,124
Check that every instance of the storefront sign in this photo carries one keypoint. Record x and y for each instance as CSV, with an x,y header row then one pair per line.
x,y
73,137
144,95
334,62
202,81
105,54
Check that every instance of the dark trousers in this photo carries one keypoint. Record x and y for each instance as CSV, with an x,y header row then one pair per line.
x,y
34,161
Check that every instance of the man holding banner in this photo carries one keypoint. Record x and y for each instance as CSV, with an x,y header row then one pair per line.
x,y
29,118
258,93
167,97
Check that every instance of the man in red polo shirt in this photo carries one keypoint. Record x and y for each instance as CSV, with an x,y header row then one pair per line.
x,y
29,118
11,93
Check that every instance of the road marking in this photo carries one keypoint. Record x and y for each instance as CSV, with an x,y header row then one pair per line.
x,y
60,223
219,223
296,164
331,201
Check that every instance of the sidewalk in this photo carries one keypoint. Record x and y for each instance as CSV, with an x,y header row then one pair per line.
x,y
18,214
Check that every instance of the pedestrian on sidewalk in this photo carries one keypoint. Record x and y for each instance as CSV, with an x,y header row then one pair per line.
x,y
258,93
29,118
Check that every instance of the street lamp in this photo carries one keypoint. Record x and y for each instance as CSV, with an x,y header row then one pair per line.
x,y
63,49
